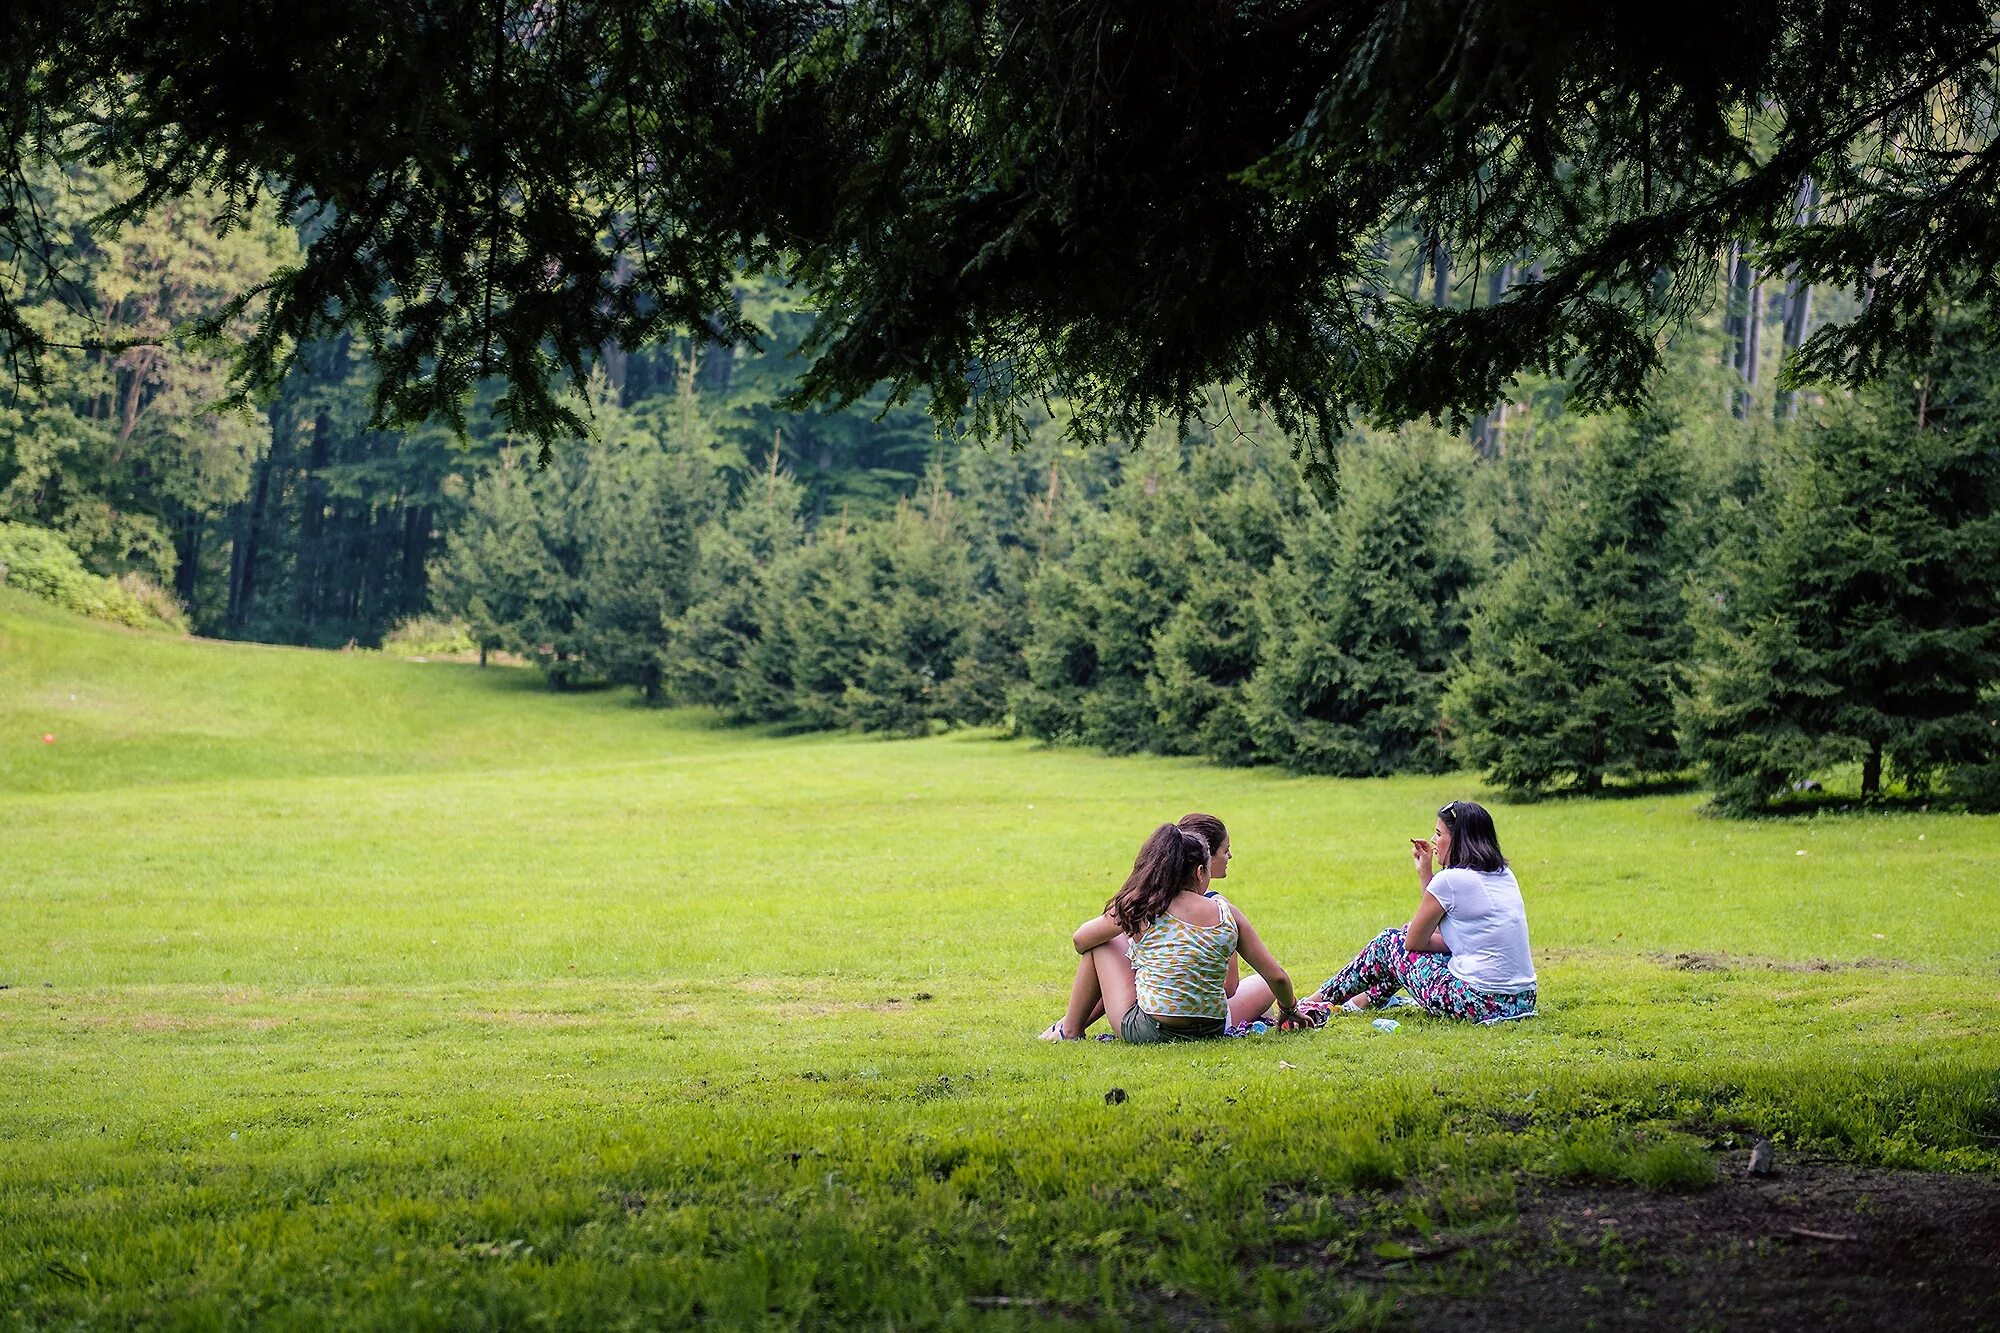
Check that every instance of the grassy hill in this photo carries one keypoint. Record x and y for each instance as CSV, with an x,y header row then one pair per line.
x,y
350,992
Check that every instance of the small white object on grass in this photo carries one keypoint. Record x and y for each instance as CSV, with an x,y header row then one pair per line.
x,y
1385,1025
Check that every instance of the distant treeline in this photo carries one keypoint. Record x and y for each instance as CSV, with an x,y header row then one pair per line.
x,y
298,519
1741,581
1608,600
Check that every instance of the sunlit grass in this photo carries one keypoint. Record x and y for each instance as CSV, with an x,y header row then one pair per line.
x,y
350,992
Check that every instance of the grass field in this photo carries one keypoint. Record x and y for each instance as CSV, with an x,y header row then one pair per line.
x,y
344,992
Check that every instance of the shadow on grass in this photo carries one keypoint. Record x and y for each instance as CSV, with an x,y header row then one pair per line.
x,y
1804,805
1670,785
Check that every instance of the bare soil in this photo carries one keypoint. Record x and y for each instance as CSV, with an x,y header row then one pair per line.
x,y
1816,1246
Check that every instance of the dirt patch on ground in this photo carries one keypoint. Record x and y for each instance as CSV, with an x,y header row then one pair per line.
x,y
530,1018
144,1022
1816,1246
1726,962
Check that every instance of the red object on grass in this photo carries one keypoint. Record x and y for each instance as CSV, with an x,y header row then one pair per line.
x,y
48,738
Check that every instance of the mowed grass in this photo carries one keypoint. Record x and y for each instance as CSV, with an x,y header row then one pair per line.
x,y
345,992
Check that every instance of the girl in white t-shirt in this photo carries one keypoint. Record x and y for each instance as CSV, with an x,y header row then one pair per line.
x,y
1465,952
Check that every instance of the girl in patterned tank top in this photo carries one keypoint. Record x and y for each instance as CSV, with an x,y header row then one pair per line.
x,y
1170,987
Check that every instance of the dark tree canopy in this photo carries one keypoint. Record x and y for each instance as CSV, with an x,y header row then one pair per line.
x,y
995,202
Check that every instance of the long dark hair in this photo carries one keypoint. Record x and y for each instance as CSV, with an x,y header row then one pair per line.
x,y
1165,866
1474,844
1208,826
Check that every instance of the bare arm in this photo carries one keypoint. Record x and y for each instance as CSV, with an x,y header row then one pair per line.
x,y
1420,852
1421,935
1255,953
1098,930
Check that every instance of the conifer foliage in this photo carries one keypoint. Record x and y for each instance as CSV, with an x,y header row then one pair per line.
x,y
1864,625
710,646
582,565
1578,650
642,506
1114,202
1361,617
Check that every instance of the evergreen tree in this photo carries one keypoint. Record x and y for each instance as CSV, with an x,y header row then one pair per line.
x,y
1020,512
1123,204
640,508
1362,614
814,605
516,570
916,600
711,652
1864,623
1093,617
1238,500
482,576
1059,657
1577,652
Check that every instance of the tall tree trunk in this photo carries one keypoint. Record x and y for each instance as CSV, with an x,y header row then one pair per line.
x,y
416,552
1798,298
1488,426
1753,337
312,521
248,532
1741,327
1798,323
1732,320
246,547
1871,770
187,562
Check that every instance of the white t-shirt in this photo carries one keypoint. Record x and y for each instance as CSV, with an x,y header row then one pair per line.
x,y
1486,928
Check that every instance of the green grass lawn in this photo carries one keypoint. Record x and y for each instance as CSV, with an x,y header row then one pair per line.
x,y
349,992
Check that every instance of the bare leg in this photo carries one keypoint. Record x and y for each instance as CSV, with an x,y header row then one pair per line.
x,y
1252,1000
1123,945
1114,983
1086,999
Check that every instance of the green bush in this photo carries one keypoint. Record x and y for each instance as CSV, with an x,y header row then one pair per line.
x,y
157,602
429,636
38,561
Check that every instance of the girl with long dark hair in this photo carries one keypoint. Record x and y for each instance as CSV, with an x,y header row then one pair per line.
x,y
1464,954
1170,986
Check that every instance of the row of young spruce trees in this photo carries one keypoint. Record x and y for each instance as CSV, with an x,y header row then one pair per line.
x,y
1699,586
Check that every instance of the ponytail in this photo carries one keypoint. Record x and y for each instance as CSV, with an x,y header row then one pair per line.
x,y
1167,865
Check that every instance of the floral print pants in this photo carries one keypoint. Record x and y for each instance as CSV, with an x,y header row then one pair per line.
x,y
1386,965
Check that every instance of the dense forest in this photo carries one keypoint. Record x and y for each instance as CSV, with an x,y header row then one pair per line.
x,y
1765,585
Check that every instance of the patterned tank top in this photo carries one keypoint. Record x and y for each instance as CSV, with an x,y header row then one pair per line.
x,y
1179,967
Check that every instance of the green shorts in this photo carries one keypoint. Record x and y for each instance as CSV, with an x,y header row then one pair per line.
x,y
1142,1029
